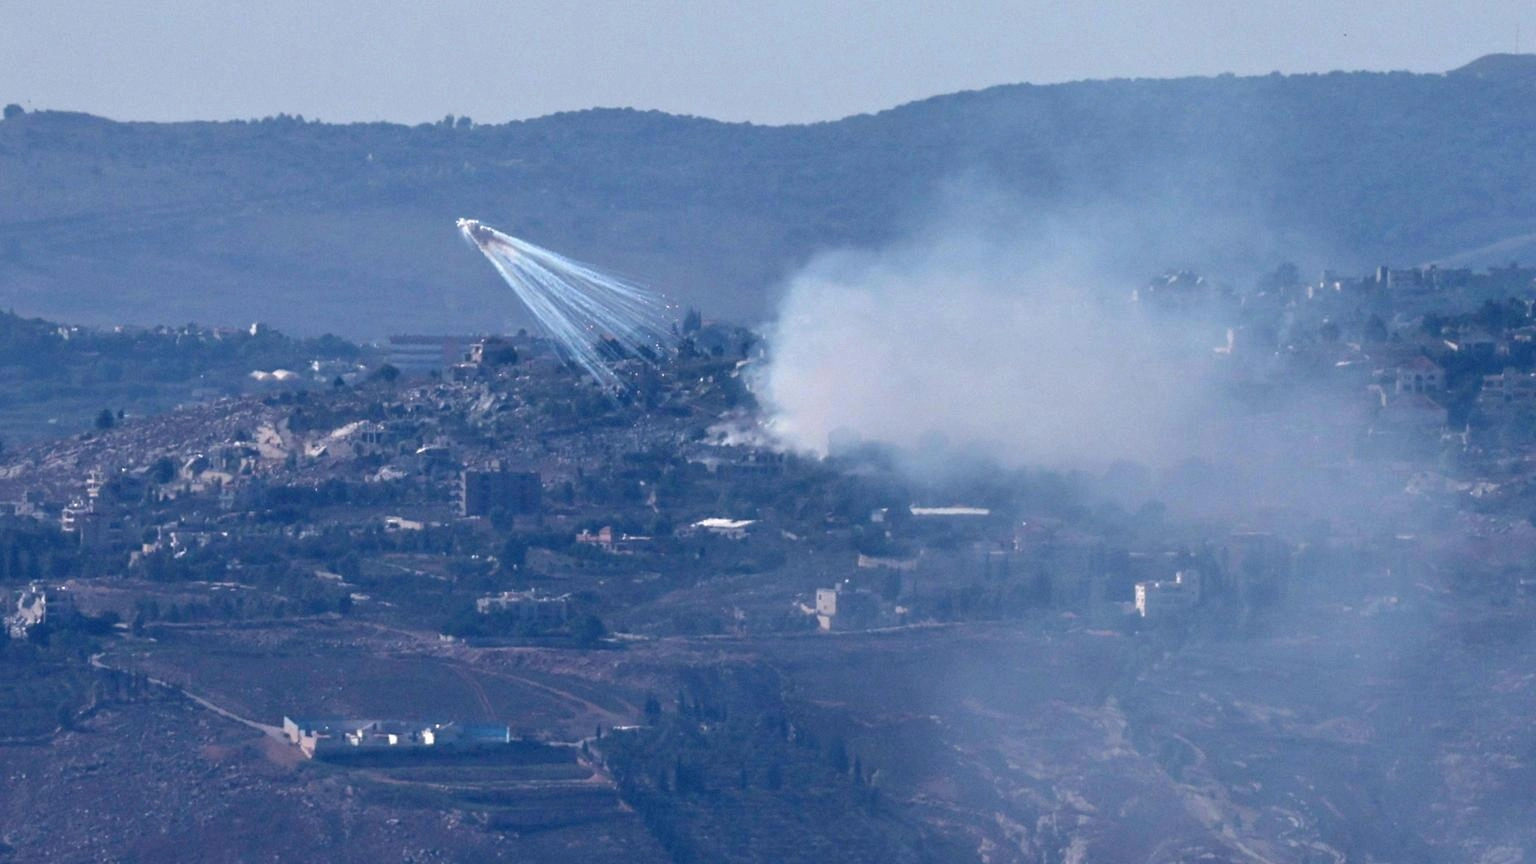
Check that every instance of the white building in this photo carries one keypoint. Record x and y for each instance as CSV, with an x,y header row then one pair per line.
x,y
956,512
1507,389
418,355
846,608
337,737
1163,599
528,606
731,529
1419,375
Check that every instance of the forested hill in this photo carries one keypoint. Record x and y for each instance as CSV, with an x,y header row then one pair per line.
x,y
349,228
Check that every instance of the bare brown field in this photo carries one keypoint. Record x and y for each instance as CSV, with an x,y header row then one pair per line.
x,y
1018,739
338,669
205,789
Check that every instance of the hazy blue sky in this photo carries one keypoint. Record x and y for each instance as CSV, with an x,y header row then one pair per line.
x,y
784,61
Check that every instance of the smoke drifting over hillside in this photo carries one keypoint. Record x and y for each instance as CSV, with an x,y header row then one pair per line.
x,y
987,344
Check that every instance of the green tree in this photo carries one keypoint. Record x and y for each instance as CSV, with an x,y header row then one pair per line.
x,y
163,471
587,629
1376,330
106,419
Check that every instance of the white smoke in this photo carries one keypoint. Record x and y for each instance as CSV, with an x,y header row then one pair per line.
x,y
984,343
576,305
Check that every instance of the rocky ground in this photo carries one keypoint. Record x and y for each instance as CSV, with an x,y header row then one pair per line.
x,y
169,781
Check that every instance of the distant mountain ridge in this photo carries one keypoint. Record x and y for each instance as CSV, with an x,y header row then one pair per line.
x,y
1505,67
349,228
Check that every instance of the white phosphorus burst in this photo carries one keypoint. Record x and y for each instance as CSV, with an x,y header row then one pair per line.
x,y
579,308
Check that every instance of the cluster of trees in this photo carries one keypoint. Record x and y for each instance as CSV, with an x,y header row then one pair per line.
x,y
307,597
41,348
290,504
51,370
729,744
32,551
47,682
584,629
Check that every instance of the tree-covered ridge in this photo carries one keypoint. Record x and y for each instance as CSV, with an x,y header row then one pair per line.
x,y
56,379
349,227
34,342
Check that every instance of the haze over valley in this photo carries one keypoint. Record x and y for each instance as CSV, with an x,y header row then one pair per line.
x,y
1135,470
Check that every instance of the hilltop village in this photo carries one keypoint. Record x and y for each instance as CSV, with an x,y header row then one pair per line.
x,y
478,502
482,488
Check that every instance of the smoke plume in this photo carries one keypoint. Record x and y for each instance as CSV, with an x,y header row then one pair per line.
x,y
986,342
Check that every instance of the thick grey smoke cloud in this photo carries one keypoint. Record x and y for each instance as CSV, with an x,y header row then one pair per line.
x,y
989,340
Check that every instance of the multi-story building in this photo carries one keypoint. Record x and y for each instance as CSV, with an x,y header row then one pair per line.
x,y
1419,375
528,607
419,355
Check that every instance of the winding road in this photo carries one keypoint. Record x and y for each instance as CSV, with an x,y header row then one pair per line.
x,y
264,728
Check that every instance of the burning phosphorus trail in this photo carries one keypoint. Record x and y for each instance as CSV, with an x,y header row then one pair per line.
x,y
590,315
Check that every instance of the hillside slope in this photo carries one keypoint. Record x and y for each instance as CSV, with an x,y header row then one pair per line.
x,y
349,228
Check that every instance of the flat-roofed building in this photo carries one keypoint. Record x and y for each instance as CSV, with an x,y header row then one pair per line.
x,y
419,355
528,607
